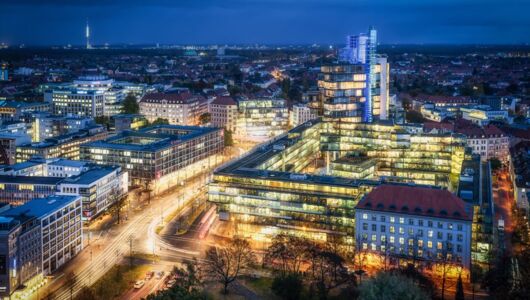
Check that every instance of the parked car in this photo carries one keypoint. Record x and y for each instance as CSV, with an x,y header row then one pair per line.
x,y
139,284
159,275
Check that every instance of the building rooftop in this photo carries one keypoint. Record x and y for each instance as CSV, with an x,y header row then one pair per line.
x,y
90,176
151,138
224,100
415,200
41,207
68,163
30,180
20,104
172,98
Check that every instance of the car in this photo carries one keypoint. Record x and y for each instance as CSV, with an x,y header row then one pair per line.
x,y
139,284
149,275
159,275
171,282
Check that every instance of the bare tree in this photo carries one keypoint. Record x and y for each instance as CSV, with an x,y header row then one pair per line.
x,y
190,275
329,271
226,264
118,204
288,251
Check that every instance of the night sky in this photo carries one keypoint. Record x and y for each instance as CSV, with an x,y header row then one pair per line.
x,y
53,22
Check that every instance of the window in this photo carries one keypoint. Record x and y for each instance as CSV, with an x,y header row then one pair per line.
x,y
411,221
411,242
440,225
420,222
374,237
411,231
374,218
449,236
459,237
392,239
383,219
458,248
383,228
401,230
392,229
401,241
392,220
365,216
420,243
439,235
374,227
383,238
401,220
429,223
439,246
450,226
420,232
365,226
430,233
459,227
429,244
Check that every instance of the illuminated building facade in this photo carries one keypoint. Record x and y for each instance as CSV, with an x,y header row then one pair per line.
x,y
262,119
61,232
356,88
17,190
13,111
159,156
223,113
274,188
77,102
99,188
65,146
415,223
181,108
300,113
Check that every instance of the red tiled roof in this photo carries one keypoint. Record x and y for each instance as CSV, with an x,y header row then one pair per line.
x,y
183,97
415,200
223,100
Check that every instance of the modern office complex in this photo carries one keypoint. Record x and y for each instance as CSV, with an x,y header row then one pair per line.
x,y
356,88
280,187
11,111
99,188
158,156
48,126
414,223
262,119
65,146
61,230
181,108
17,190
76,102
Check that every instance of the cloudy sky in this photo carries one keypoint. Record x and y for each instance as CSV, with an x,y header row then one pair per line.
x,y
45,22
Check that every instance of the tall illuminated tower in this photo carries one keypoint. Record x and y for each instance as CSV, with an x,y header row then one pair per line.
x,y
87,34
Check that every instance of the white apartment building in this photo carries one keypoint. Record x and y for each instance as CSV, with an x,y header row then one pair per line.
x,y
223,112
411,222
300,114
181,108
99,188
488,142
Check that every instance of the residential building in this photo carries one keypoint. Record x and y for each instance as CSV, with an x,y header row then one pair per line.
x,y
8,146
159,156
223,113
489,142
181,108
99,188
65,146
520,174
299,114
415,223
61,230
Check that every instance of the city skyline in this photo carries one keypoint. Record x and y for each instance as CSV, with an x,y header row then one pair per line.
x,y
59,22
